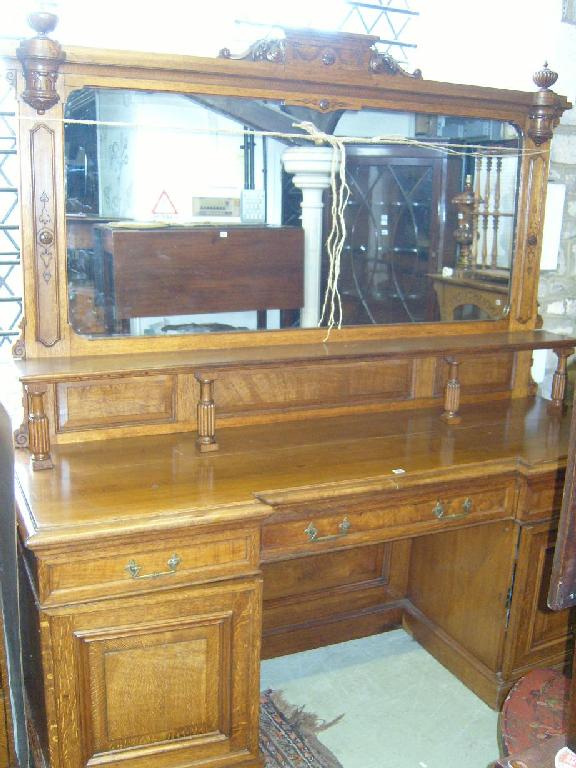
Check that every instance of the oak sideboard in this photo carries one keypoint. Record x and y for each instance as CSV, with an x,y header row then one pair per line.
x,y
202,485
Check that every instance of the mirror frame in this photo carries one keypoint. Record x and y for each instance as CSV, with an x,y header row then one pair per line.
x,y
317,70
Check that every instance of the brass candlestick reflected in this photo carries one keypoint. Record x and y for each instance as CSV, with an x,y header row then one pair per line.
x,y
467,205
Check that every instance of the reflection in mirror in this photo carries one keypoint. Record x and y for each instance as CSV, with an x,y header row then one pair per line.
x,y
195,214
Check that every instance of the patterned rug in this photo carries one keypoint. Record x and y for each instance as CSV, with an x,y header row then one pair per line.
x,y
288,735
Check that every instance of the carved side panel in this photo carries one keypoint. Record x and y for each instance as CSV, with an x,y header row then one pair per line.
x,y
528,257
42,152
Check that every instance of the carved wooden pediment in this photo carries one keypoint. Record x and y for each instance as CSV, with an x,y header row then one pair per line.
x,y
324,49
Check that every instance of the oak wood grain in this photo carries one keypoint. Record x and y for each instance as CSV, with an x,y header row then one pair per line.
x,y
41,369
349,82
204,638
542,637
149,497
453,571
332,597
156,481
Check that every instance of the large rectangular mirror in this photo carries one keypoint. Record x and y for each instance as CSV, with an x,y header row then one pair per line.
x,y
199,214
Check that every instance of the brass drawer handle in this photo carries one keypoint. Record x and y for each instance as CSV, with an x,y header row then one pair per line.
x,y
440,512
134,569
312,531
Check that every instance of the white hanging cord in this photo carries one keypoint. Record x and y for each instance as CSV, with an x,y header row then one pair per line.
x,y
332,306
317,136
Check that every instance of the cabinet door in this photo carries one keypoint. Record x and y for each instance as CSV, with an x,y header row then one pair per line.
x,y
162,680
537,636
399,231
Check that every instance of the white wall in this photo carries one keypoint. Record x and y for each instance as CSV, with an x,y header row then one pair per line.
x,y
501,43
496,43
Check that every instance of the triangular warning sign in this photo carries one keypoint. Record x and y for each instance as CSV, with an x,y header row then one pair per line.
x,y
164,205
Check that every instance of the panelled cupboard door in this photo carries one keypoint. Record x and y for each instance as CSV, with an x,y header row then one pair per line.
x,y
162,680
538,636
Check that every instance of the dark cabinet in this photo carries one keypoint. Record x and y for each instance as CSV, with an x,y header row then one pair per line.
x,y
399,225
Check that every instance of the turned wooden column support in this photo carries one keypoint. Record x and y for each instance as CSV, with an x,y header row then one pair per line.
x,y
560,376
545,110
41,58
38,427
452,394
206,415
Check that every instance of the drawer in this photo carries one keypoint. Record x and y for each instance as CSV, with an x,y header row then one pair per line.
x,y
305,528
137,565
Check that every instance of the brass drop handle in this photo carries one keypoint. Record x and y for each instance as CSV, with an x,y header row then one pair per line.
x,y
440,512
134,569
312,531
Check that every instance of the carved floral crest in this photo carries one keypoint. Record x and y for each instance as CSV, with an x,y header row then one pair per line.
x,y
326,49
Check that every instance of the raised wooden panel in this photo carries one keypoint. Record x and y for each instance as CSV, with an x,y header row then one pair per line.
x,y
541,637
126,401
155,704
333,597
134,673
314,386
481,373
303,576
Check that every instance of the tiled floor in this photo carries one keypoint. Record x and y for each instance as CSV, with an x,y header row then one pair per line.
x,y
401,708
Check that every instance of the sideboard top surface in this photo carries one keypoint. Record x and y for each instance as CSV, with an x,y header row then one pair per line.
x,y
150,483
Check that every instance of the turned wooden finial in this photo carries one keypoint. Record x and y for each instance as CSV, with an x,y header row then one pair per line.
x,y
545,111
41,57
545,78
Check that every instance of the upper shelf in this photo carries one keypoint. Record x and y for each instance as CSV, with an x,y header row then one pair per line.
x,y
63,369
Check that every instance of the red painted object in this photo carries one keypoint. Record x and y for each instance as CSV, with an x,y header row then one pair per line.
x,y
535,712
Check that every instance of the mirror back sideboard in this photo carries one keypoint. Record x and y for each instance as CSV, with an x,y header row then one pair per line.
x,y
191,502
